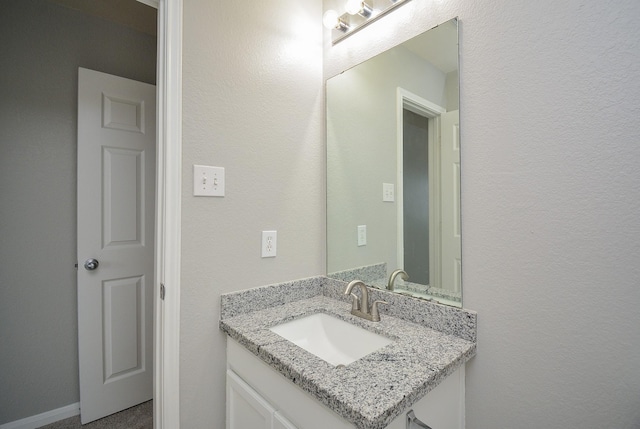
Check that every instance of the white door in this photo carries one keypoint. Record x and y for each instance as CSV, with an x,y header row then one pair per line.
x,y
116,210
450,197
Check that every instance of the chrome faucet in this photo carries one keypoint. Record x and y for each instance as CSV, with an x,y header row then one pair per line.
x,y
360,307
393,276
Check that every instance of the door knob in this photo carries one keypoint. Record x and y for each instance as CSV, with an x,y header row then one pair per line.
x,y
91,264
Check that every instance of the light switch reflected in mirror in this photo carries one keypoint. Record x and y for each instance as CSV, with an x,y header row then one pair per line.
x,y
393,130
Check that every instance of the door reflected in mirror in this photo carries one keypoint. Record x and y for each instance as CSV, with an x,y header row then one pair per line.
x,y
393,169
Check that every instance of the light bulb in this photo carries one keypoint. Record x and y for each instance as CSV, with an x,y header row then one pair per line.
x,y
359,7
353,7
330,19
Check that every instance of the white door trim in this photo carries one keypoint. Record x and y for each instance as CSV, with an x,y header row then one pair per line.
x,y
166,409
410,101
45,418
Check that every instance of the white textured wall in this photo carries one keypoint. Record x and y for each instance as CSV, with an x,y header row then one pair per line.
x,y
41,47
549,121
253,103
550,203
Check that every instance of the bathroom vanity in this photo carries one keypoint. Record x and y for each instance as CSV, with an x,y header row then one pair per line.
x,y
392,125
274,383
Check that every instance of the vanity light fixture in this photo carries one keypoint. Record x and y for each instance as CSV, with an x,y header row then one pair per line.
x,y
359,13
332,21
354,7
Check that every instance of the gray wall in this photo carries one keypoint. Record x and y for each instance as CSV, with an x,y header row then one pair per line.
x,y
415,200
550,203
252,103
41,47
550,191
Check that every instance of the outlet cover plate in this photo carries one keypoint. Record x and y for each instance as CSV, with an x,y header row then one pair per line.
x,y
388,192
269,244
362,235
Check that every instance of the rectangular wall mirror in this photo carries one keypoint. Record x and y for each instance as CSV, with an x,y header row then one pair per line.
x,y
393,169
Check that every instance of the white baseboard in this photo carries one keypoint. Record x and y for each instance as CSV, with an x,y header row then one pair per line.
x,y
44,418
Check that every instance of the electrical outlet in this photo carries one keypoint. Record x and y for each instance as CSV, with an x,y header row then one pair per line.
x,y
388,192
269,242
362,235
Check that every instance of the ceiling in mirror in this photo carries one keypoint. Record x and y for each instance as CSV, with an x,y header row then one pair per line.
x,y
393,169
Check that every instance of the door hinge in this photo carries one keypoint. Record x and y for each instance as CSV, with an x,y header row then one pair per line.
x,y
162,291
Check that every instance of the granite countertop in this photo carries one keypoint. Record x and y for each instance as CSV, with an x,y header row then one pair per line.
x,y
376,275
371,391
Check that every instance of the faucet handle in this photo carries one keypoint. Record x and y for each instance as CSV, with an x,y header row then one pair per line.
x,y
355,302
375,314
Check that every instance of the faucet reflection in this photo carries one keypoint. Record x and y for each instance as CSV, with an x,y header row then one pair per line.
x,y
393,276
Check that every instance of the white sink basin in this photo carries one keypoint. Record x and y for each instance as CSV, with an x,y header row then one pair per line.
x,y
331,339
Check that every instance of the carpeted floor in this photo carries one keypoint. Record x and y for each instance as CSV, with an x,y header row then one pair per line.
x,y
138,417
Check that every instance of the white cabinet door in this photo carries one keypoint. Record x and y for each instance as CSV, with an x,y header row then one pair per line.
x,y
280,422
246,409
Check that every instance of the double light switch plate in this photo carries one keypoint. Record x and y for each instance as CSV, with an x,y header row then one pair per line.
x,y
208,181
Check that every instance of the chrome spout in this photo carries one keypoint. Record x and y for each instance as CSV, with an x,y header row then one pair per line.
x,y
364,300
360,307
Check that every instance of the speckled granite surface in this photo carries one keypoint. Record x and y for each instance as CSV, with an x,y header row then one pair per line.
x,y
376,276
232,304
449,320
418,288
367,273
369,392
